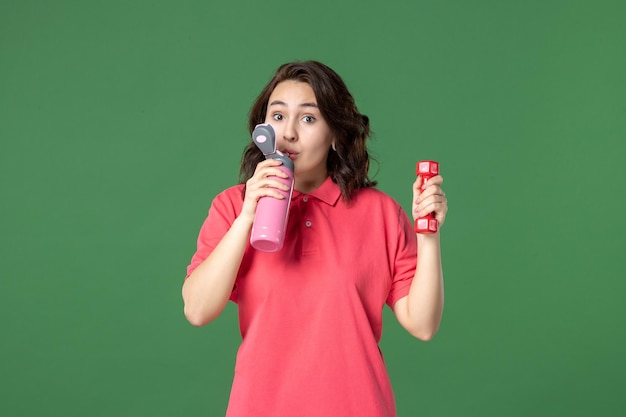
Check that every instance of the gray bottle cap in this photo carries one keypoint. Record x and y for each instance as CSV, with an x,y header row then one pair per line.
x,y
264,138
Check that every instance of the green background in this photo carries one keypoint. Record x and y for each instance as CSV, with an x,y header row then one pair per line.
x,y
121,120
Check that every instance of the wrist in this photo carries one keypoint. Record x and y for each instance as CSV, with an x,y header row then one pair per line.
x,y
244,221
428,238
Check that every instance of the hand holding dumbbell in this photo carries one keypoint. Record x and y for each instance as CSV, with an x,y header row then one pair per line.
x,y
428,223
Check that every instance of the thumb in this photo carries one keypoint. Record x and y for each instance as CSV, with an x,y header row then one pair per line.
x,y
417,186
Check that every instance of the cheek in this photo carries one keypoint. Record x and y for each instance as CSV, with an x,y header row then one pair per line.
x,y
311,160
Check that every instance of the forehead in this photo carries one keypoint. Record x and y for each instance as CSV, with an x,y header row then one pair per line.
x,y
292,92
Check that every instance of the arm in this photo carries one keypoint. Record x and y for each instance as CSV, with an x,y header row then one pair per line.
x,y
421,310
207,289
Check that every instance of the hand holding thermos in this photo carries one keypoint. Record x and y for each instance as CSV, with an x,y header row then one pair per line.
x,y
270,220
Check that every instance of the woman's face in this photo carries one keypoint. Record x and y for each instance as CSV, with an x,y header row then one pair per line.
x,y
301,132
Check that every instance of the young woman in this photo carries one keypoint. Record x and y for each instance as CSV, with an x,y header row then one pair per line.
x,y
311,314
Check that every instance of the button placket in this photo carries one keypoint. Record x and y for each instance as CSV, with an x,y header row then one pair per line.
x,y
309,242
308,222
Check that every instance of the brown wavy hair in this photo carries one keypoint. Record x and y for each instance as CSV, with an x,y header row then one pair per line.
x,y
348,165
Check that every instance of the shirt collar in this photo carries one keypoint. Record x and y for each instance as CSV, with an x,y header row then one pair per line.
x,y
328,192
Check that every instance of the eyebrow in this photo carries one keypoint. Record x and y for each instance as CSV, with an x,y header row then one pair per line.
x,y
279,102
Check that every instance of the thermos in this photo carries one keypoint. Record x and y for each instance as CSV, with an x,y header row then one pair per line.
x,y
428,223
270,220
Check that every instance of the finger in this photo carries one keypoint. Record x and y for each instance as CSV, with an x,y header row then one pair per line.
x,y
433,198
436,180
431,204
273,171
272,167
433,190
265,174
438,209
269,192
272,182
270,162
267,182
417,187
252,199
254,195
267,163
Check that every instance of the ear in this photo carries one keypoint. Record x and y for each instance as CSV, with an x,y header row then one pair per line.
x,y
332,145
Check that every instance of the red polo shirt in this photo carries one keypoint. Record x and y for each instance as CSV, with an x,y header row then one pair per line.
x,y
310,315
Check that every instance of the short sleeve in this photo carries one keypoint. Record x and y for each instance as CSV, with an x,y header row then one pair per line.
x,y
225,208
405,259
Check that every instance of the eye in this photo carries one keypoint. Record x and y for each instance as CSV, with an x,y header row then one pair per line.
x,y
308,119
277,116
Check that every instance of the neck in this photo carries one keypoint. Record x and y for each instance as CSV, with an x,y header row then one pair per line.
x,y
307,186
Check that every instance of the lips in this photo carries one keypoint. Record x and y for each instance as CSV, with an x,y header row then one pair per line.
x,y
290,153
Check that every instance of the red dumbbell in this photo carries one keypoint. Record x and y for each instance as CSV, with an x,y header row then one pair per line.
x,y
427,169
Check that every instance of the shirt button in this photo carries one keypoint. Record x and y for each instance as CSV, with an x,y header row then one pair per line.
x,y
308,223
305,199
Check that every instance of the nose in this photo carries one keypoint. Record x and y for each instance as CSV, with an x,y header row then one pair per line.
x,y
290,132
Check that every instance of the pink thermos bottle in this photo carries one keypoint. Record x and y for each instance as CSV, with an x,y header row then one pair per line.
x,y
270,220
428,223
